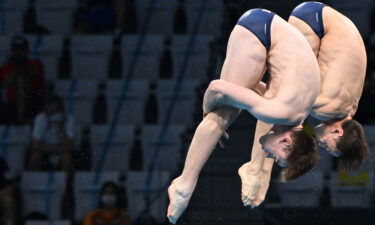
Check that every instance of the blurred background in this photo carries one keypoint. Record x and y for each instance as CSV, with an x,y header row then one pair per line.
x,y
99,100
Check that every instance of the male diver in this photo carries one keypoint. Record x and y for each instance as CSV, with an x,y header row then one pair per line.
x,y
260,41
341,54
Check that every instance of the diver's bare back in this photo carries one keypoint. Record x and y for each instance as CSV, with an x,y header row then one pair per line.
x,y
294,71
342,61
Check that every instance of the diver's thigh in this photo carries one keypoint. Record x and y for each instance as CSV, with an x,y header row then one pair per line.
x,y
245,62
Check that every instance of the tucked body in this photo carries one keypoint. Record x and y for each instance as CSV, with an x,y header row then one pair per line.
x,y
341,55
342,60
261,40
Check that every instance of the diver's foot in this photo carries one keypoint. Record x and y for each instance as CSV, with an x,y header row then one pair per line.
x,y
179,197
246,186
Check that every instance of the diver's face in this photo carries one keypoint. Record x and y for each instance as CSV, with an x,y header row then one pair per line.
x,y
327,135
275,144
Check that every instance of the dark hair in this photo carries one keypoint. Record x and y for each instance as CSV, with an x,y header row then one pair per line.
x,y
302,156
352,145
116,190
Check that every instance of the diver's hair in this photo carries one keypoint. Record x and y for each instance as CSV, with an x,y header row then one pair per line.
x,y
352,145
302,156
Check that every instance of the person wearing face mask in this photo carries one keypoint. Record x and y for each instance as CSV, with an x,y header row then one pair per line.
x,y
109,211
22,82
52,137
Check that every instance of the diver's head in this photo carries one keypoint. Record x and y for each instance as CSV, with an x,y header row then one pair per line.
x,y
291,147
344,139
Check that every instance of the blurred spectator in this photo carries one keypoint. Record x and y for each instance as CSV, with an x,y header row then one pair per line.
x,y
7,200
23,83
109,212
52,137
30,25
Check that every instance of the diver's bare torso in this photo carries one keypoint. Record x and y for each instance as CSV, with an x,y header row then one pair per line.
x,y
294,72
342,60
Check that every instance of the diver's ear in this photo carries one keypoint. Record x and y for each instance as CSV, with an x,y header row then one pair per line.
x,y
337,131
286,140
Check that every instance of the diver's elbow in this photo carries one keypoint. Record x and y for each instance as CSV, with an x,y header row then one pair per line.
x,y
215,86
215,89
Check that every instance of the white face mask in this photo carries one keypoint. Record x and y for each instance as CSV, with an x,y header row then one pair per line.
x,y
57,117
108,199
